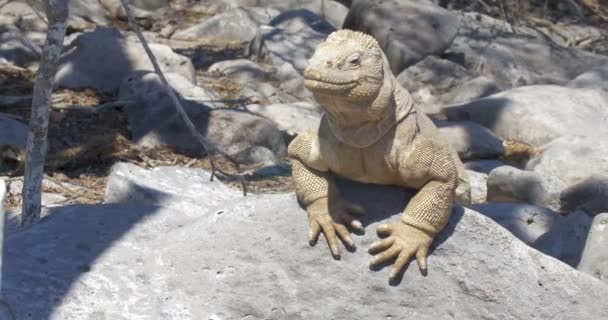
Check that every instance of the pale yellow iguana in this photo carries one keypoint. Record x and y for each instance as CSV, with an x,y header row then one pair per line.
x,y
372,132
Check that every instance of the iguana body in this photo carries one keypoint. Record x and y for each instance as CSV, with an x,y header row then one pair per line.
x,y
371,132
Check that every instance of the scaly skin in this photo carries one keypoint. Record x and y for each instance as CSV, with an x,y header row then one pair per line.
x,y
372,132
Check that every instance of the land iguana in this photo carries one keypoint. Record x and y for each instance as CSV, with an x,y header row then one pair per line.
x,y
372,132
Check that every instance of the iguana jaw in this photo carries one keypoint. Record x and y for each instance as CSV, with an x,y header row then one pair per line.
x,y
317,82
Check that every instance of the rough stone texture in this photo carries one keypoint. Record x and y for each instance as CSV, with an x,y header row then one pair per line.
x,y
145,85
407,31
12,132
331,11
241,70
595,78
100,59
588,195
483,166
510,184
292,38
550,112
576,169
16,48
250,258
153,121
292,118
471,140
86,12
594,259
566,238
435,82
512,60
179,189
526,222
238,24
288,43
479,188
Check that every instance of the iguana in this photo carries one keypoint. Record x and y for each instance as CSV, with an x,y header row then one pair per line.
x,y
372,132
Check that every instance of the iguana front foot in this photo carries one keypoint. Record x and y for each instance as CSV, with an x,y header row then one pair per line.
x,y
403,242
333,218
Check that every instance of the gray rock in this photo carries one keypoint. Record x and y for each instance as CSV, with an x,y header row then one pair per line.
x,y
595,78
179,189
471,140
292,118
101,59
470,90
407,31
154,121
238,24
594,259
16,48
483,166
509,184
588,195
291,38
146,86
550,112
82,12
12,132
330,11
526,222
566,238
479,188
514,60
250,258
241,70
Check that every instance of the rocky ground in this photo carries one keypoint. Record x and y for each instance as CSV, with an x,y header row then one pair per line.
x,y
134,228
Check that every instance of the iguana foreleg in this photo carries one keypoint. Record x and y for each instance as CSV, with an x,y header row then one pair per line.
x,y
426,213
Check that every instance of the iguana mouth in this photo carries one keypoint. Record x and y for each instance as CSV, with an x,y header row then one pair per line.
x,y
315,80
331,85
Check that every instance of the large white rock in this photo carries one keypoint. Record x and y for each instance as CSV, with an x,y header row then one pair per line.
x,y
102,58
292,118
407,31
594,259
249,258
549,112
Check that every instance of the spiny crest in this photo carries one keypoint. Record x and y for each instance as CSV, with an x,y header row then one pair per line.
x,y
344,35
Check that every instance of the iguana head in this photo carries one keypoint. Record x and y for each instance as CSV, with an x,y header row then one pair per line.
x,y
348,64
351,78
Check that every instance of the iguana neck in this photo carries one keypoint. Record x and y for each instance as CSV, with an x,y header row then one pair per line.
x,y
360,124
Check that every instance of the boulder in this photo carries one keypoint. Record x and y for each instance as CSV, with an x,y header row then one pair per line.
x,y
179,189
471,140
595,78
146,86
407,31
249,258
526,222
241,70
288,43
594,259
550,112
567,237
292,118
488,46
510,184
82,13
239,24
154,122
102,58
16,48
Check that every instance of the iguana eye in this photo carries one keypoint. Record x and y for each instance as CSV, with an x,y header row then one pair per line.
x,y
354,59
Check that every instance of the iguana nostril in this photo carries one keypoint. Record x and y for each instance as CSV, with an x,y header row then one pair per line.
x,y
329,64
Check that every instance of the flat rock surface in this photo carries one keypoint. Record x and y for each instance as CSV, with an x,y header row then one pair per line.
x,y
249,258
